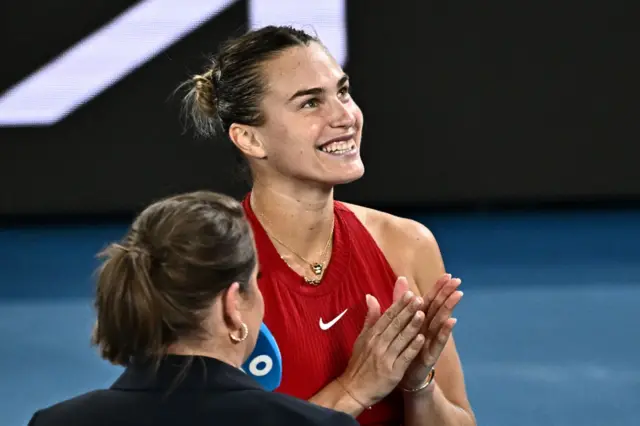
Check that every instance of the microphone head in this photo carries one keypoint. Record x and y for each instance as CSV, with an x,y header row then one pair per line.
x,y
265,363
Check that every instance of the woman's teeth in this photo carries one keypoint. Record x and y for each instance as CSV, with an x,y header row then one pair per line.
x,y
338,147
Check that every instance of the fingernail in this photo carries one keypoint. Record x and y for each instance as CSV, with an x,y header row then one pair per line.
x,y
418,301
407,296
461,293
455,320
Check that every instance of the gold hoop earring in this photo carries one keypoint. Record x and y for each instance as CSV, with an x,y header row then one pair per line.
x,y
243,335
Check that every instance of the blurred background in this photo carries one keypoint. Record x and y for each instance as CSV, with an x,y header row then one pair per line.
x,y
509,128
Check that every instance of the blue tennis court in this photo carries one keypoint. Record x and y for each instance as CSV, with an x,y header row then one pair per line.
x,y
548,328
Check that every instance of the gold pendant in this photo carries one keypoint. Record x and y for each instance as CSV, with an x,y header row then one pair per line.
x,y
311,281
317,269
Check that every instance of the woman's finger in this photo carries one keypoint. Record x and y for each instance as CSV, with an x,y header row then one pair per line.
x,y
435,304
443,313
404,339
373,315
437,342
390,314
399,324
373,311
407,356
400,288
442,281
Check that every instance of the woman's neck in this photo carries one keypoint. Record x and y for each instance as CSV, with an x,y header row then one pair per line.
x,y
191,349
301,218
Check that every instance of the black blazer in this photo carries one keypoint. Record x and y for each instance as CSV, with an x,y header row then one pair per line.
x,y
204,392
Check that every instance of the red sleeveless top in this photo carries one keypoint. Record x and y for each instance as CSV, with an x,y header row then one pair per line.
x,y
316,326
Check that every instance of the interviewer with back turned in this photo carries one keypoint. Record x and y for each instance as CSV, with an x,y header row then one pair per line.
x,y
179,307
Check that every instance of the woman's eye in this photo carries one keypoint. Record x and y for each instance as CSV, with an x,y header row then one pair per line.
x,y
311,103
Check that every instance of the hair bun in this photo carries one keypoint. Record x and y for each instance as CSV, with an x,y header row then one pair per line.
x,y
205,94
201,102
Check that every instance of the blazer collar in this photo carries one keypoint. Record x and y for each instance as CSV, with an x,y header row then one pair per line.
x,y
177,372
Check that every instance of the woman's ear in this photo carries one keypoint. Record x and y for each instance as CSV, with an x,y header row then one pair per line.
x,y
248,140
231,306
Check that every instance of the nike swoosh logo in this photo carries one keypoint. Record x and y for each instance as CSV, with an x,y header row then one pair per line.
x,y
325,327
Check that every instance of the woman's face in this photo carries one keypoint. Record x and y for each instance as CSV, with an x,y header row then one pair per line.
x,y
313,127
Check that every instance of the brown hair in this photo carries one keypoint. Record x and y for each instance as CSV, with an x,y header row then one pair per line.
x,y
157,285
232,86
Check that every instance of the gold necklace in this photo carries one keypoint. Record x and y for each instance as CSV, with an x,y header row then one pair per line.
x,y
316,267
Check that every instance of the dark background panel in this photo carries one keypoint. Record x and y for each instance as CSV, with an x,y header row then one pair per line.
x,y
465,104
34,32
503,101
125,147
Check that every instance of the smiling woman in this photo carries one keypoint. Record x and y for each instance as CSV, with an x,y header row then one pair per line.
x,y
232,96
329,269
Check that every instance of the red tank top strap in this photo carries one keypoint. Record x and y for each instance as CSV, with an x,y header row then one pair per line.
x,y
363,244
267,254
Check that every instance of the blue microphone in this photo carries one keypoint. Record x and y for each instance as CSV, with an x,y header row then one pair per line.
x,y
265,363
